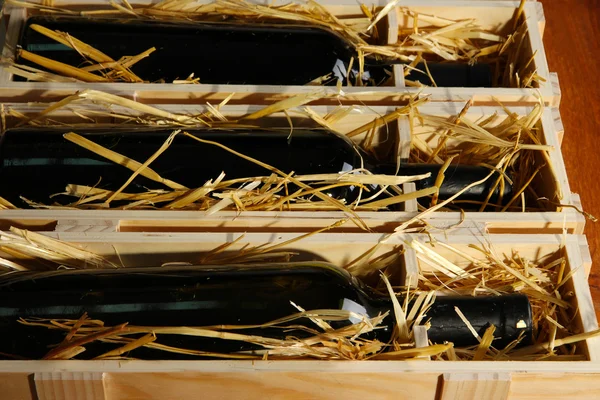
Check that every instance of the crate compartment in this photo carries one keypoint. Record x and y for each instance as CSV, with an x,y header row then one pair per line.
x,y
495,16
380,379
391,141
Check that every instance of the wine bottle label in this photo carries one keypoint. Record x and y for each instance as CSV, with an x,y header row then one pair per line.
x,y
346,167
340,71
352,306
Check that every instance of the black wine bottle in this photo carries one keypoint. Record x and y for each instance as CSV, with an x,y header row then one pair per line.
x,y
37,163
228,53
228,295
450,74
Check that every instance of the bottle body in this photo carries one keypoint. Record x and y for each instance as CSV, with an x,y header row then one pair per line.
x,y
224,295
217,53
452,75
229,53
190,296
39,162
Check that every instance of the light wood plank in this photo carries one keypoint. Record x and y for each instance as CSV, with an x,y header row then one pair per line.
x,y
17,385
586,256
490,386
271,385
579,368
13,30
393,23
541,18
302,379
398,73
586,316
558,125
421,339
64,385
554,386
554,84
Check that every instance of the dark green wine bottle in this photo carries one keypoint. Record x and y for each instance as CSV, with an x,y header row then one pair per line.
x,y
37,163
227,295
229,53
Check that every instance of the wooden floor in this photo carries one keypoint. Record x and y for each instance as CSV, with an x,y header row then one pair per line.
x,y
572,41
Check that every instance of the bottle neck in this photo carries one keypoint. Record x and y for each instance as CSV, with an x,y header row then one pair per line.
x,y
456,178
510,314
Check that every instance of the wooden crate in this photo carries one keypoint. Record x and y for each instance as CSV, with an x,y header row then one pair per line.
x,y
398,132
490,14
153,237
418,379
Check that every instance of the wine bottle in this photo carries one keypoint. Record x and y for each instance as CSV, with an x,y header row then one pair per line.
x,y
37,163
449,74
228,53
229,295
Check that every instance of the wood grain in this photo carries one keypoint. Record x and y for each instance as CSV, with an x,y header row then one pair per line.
x,y
576,386
269,385
17,386
64,385
491,386
571,46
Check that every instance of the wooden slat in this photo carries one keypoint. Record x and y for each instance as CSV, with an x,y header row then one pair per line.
x,y
558,125
193,94
149,380
421,339
489,386
554,87
404,136
17,18
17,385
541,18
550,88
70,385
586,257
286,221
271,385
393,24
555,156
134,249
554,386
586,316
398,72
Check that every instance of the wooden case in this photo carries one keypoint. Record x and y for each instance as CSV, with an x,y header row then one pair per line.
x,y
493,15
416,379
155,237
553,185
